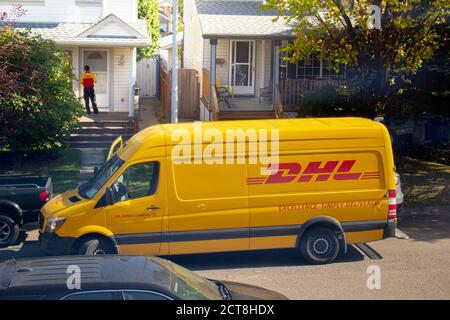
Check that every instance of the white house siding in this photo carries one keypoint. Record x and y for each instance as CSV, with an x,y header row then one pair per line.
x,y
193,40
223,52
56,11
121,77
127,10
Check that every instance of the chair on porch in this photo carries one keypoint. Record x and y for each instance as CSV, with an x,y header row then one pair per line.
x,y
224,94
266,93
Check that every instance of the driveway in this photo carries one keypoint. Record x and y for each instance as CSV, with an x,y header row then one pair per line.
x,y
414,268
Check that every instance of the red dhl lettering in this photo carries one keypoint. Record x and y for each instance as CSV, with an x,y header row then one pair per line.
x,y
316,171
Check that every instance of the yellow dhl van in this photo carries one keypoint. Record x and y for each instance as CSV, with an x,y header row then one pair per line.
x,y
333,185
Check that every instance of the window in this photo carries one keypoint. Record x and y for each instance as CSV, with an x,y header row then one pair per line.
x,y
144,295
318,68
90,188
98,295
138,181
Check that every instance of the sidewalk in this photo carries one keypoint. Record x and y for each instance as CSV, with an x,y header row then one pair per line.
x,y
147,112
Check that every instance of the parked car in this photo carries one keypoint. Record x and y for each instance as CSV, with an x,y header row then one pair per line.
x,y
21,198
332,185
115,277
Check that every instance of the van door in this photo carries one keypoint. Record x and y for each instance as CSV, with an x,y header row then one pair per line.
x,y
208,208
139,206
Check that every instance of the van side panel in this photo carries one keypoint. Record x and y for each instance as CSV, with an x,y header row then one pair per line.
x,y
208,208
346,184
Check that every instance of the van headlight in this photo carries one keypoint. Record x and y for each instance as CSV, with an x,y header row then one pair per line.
x,y
53,224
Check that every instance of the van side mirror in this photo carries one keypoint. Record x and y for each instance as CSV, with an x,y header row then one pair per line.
x,y
106,200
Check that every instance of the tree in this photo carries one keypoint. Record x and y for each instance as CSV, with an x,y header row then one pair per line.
x,y
38,108
342,31
149,10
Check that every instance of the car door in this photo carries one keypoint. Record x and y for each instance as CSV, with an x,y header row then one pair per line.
x,y
139,205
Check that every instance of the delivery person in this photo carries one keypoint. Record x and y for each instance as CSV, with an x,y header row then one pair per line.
x,y
88,79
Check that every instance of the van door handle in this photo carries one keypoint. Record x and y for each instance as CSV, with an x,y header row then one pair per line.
x,y
153,208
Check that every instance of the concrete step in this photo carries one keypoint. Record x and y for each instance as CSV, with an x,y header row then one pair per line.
x,y
243,115
88,144
104,130
108,137
107,123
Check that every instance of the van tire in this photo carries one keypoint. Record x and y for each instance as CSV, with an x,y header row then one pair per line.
x,y
319,245
9,231
96,246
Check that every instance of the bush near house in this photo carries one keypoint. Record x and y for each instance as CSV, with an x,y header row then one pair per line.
x,y
38,108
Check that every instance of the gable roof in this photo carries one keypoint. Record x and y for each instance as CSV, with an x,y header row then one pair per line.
x,y
238,19
92,34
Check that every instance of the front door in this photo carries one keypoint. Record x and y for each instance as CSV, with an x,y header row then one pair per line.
x,y
242,70
98,61
135,218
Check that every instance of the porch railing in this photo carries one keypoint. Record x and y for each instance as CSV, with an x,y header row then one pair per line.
x,y
293,91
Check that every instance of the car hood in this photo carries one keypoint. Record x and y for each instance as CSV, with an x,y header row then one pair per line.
x,y
241,291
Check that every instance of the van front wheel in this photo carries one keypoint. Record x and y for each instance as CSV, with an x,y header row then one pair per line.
x,y
319,245
93,247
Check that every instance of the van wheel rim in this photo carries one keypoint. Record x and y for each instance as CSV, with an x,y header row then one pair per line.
x,y
320,246
5,231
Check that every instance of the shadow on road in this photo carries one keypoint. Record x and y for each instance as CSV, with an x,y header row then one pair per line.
x,y
426,224
252,259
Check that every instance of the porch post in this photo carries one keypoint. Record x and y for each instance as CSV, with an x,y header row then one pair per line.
x,y
276,68
212,72
133,57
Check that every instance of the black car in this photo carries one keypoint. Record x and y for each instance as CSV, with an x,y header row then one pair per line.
x,y
115,277
21,198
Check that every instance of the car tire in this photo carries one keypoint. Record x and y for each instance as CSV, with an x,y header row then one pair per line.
x,y
319,245
9,231
94,247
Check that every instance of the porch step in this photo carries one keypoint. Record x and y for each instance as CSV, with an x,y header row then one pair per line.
x,y
107,123
104,130
243,115
107,137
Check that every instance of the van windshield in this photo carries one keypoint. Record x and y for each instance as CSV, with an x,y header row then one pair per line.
x,y
90,188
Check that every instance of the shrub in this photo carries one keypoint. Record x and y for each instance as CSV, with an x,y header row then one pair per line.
x,y
38,108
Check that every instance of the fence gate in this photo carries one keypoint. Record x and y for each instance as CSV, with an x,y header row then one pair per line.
x,y
188,93
146,73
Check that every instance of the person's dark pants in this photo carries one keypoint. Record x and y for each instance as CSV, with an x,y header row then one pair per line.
x,y
89,93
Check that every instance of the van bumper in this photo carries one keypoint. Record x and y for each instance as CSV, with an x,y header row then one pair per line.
x,y
54,245
389,230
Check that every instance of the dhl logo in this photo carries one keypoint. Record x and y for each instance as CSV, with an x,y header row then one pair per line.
x,y
317,171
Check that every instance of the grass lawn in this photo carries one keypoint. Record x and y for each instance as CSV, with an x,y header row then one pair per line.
x,y
64,170
424,183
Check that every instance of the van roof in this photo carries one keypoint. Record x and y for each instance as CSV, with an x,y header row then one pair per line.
x,y
165,135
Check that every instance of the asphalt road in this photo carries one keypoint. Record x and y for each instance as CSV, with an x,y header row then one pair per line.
x,y
414,268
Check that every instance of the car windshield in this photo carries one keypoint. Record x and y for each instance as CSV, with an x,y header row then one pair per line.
x,y
189,285
90,188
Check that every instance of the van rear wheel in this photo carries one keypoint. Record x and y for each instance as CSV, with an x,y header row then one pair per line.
x,y
319,245
93,247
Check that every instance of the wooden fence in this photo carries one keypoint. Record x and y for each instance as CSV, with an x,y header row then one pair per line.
x,y
188,94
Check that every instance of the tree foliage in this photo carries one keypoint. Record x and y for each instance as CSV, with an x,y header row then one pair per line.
x,y
149,10
38,108
383,59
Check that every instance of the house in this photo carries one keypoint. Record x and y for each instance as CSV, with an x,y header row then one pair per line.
x,y
101,33
240,45
166,40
